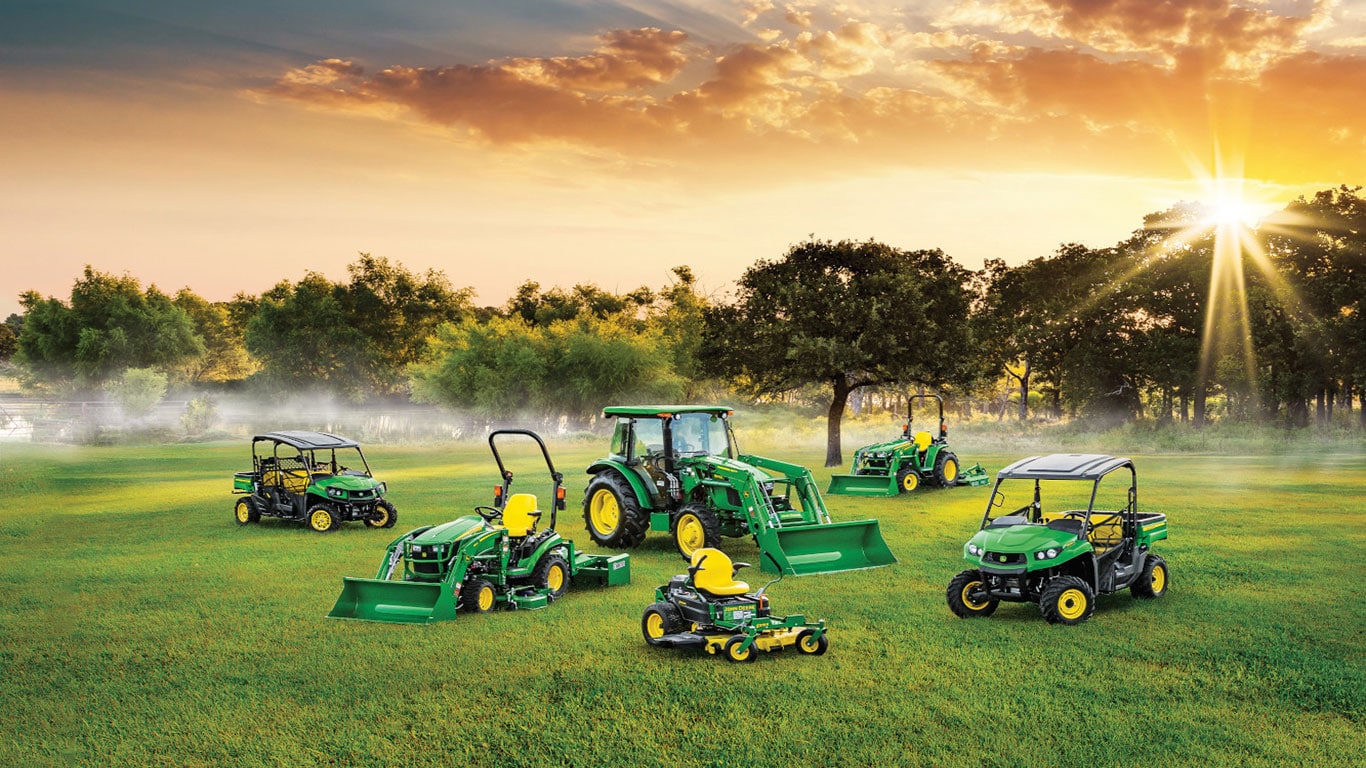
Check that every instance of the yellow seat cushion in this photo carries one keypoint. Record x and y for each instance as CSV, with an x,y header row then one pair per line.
x,y
715,573
922,441
1107,530
520,514
292,480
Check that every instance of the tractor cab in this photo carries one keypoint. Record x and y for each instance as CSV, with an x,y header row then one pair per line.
x,y
1084,537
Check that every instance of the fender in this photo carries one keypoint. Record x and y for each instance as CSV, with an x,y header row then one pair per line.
x,y
644,497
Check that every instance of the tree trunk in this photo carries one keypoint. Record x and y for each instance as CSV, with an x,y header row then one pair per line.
x,y
1320,410
1185,408
1198,418
833,456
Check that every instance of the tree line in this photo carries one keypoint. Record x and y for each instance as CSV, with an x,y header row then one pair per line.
x,y
1129,331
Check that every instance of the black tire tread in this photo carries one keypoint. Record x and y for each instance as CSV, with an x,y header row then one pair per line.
x,y
635,522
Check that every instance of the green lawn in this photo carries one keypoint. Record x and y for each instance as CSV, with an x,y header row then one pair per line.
x,y
139,625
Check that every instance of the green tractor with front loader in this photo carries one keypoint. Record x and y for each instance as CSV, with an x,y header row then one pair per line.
x,y
676,469
494,558
914,460
1061,559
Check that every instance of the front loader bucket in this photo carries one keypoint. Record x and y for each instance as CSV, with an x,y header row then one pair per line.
x,y
399,602
974,475
826,548
862,485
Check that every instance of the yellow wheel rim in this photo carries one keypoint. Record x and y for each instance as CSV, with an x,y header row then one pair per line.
x,y
1159,579
950,470
1072,604
971,604
910,482
690,534
321,520
654,625
485,598
554,578
739,655
243,514
383,516
604,512
809,644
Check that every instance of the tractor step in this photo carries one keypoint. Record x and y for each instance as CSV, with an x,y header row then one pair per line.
x,y
682,640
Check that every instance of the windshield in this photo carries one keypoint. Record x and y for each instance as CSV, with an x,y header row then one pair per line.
x,y
337,461
699,434
1013,501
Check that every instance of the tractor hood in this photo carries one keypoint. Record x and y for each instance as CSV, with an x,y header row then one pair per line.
x,y
889,447
729,469
457,529
1021,538
349,483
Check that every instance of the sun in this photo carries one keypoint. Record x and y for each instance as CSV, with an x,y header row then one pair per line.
x,y
1228,206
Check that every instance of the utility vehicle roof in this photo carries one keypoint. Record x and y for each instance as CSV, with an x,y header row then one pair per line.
x,y
307,441
1064,466
662,410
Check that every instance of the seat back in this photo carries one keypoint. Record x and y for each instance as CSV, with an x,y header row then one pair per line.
x,y
1107,530
520,514
716,573
922,441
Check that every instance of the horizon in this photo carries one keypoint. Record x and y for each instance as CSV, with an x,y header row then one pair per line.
x,y
226,149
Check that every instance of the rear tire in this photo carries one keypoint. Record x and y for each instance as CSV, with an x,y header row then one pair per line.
x,y
661,619
694,527
246,511
946,469
731,650
384,516
478,596
611,512
964,597
322,520
907,480
811,645
552,573
1067,600
1153,581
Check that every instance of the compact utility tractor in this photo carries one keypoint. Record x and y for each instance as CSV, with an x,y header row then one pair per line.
x,y
314,477
676,468
707,608
909,462
494,558
1060,559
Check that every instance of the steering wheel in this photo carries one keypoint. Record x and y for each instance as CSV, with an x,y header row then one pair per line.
x,y
489,513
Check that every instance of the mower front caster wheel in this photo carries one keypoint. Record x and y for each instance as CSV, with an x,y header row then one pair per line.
x,y
733,653
967,596
809,643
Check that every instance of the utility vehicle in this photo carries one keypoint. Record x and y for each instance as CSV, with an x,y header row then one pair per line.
x,y
676,469
317,478
1060,558
707,608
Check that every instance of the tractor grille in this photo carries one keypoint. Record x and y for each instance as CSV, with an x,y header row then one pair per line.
x,y
1003,558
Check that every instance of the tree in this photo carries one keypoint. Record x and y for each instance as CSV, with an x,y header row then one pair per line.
x,y
138,390
848,315
9,342
225,355
110,324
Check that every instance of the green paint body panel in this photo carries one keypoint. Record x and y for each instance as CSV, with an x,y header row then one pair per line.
x,y
639,485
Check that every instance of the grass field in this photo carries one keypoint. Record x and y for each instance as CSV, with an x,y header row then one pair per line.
x,y
139,625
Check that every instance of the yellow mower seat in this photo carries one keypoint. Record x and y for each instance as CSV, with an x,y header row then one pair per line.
x,y
922,441
520,514
716,573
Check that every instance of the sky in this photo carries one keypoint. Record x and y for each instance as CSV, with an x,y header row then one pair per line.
x,y
228,146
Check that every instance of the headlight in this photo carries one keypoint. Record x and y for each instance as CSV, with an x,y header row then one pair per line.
x,y
336,493
1047,554
973,549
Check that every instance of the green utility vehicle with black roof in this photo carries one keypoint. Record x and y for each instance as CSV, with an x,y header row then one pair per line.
x,y
316,478
1060,559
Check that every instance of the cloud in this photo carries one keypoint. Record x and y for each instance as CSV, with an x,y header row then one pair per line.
x,y
1109,85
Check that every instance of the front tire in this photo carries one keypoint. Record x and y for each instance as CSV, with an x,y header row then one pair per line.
x,y
694,527
384,516
1152,583
552,573
611,513
661,619
245,511
1067,600
967,597
907,480
946,469
478,596
322,520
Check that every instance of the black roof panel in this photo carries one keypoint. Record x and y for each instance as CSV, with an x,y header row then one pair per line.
x,y
1065,466
308,441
